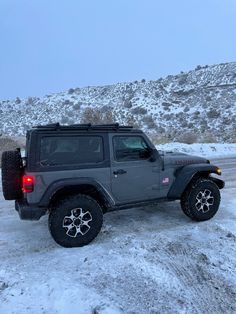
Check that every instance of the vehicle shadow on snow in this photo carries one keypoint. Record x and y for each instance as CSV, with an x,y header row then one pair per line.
x,y
151,218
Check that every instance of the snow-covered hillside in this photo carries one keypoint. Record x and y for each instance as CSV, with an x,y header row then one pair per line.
x,y
202,101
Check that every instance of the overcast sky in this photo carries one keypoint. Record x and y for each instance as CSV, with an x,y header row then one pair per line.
x,y
51,45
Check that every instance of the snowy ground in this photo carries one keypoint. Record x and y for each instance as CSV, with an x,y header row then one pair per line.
x,y
148,260
208,149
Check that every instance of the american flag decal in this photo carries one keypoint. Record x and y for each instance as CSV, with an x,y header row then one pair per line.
x,y
165,181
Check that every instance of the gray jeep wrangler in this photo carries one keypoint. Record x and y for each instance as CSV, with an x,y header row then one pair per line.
x,y
77,173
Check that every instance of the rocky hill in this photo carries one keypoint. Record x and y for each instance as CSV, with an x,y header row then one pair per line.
x,y
200,103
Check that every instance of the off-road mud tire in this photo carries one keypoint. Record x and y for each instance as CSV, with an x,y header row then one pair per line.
x,y
63,210
11,175
189,199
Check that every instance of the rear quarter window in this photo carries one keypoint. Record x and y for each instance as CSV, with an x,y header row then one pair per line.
x,y
68,150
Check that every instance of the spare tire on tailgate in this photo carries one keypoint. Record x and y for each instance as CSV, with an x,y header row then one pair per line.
x,y
12,175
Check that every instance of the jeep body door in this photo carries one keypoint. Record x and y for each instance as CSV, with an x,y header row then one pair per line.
x,y
133,176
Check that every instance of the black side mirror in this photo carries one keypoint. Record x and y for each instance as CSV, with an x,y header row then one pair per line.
x,y
154,155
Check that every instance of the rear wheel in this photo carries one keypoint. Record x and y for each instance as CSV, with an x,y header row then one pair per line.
x,y
75,221
201,200
11,175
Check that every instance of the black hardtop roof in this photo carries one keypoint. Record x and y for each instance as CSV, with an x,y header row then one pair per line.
x,y
86,127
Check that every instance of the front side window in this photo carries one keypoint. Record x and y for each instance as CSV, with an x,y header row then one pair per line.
x,y
130,148
68,150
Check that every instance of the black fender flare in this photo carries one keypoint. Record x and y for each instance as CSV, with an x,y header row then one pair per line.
x,y
58,185
185,174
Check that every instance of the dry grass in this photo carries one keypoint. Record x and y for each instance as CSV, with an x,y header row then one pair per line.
x,y
10,143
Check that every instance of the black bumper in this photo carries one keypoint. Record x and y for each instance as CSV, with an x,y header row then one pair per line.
x,y
29,212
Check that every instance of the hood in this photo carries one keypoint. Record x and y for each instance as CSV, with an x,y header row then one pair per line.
x,y
181,159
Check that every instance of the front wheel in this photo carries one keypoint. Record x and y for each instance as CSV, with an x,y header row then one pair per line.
x,y
201,200
75,221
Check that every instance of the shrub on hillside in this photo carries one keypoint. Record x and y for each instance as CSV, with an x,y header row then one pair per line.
x,y
157,138
139,110
149,121
97,116
166,104
64,120
70,113
208,137
127,104
213,114
76,106
183,79
18,101
67,102
30,101
8,143
187,138
130,120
